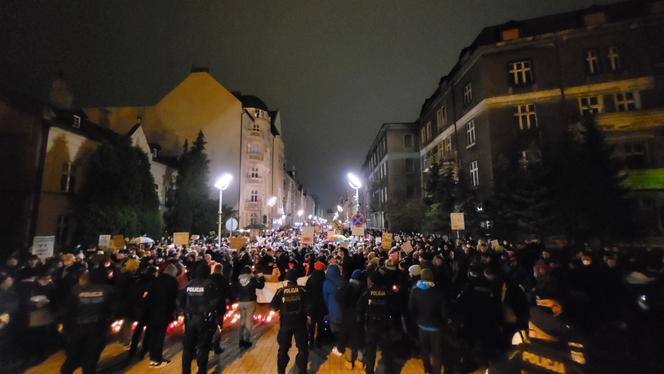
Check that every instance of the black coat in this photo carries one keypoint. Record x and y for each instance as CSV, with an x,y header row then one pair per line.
x,y
161,299
314,288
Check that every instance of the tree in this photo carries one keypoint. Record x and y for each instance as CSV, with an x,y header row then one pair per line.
x,y
406,215
590,197
439,199
117,195
190,208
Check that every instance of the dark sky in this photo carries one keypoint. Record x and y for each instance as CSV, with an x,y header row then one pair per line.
x,y
336,69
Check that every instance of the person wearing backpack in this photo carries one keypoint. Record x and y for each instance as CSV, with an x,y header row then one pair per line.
x,y
290,301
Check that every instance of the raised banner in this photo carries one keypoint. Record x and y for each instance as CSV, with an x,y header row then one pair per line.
x,y
42,246
358,231
457,221
237,242
307,235
181,238
386,241
104,242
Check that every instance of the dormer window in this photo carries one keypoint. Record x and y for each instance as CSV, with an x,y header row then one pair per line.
x,y
614,58
511,34
155,152
592,63
76,122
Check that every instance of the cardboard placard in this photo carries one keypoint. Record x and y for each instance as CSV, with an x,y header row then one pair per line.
x,y
386,241
237,242
104,242
117,242
181,238
457,221
407,247
42,246
307,235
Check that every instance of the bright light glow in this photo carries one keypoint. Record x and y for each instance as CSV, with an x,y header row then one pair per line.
x,y
300,213
223,182
339,209
271,201
354,182
310,216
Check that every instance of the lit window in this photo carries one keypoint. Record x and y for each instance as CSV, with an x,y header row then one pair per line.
x,y
521,73
447,146
254,196
474,173
592,63
626,101
428,130
470,134
525,116
68,177
614,58
253,148
467,94
76,122
590,105
62,229
254,218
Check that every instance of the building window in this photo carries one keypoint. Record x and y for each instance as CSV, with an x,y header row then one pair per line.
x,y
255,127
626,101
590,105
407,141
467,94
592,63
253,220
441,117
470,134
254,196
614,58
474,173
635,155
253,148
410,165
68,177
521,73
254,172
525,116
428,130
76,122
62,229
447,146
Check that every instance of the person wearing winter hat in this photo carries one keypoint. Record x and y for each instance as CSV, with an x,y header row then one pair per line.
x,y
428,306
316,304
414,271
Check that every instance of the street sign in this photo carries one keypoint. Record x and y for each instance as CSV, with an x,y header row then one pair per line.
x,y
231,224
42,246
358,219
358,231
457,221
181,238
307,235
104,242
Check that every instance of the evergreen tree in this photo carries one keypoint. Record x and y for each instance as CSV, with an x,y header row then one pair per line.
x,y
590,197
117,195
439,199
191,209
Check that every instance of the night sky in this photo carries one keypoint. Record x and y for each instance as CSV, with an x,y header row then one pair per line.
x,y
337,70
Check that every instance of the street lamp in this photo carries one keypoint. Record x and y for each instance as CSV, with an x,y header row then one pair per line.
x,y
355,183
339,209
221,184
270,202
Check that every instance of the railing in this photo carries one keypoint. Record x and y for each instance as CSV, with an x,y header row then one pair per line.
x,y
255,156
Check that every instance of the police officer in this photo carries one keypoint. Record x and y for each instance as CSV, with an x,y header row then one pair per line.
x,y
290,301
87,315
373,310
201,301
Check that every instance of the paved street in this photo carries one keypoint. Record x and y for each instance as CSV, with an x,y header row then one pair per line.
x,y
261,358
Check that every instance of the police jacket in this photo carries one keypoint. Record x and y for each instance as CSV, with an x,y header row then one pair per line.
x,y
91,304
372,307
291,302
428,306
246,287
200,299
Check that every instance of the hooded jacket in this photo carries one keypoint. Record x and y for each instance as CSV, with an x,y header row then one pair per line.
x,y
332,284
246,287
314,288
428,306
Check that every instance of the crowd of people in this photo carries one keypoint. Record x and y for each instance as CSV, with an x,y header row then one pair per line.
x,y
455,303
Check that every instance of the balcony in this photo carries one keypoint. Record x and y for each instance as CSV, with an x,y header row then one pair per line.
x,y
256,133
254,180
252,206
255,156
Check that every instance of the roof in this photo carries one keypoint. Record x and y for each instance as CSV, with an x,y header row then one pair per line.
x,y
545,25
273,118
251,101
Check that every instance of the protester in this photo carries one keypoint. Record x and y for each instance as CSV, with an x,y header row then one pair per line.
x,y
246,288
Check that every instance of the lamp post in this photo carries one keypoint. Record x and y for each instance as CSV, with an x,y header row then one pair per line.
x,y
222,183
355,183
270,202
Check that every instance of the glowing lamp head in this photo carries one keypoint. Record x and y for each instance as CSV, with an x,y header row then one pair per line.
x,y
223,182
271,201
354,182
300,213
339,209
